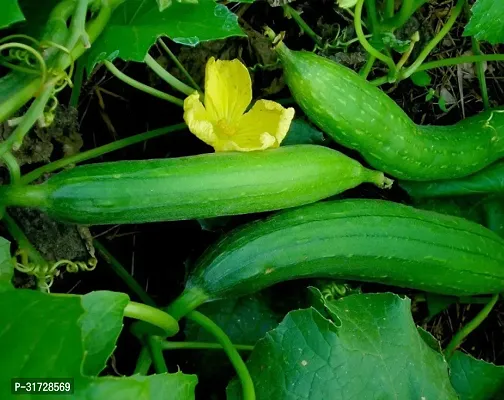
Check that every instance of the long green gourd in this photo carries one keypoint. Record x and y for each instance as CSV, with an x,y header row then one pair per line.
x,y
363,240
201,186
488,180
360,116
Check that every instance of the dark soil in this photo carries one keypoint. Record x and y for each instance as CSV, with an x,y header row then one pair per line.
x,y
159,255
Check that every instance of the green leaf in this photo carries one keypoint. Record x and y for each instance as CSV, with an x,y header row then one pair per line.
x,y
6,265
437,303
476,379
371,350
384,40
136,24
11,13
442,104
176,386
101,325
301,132
487,21
37,15
39,337
421,79
245,320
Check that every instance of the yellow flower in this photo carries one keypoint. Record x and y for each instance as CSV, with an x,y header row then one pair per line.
x,y
222,122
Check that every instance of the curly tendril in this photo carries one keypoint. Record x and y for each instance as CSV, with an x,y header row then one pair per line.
x,y
23,56
46,273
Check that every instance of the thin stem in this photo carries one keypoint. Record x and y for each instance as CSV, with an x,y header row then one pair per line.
x,y
141,86
123,274
372,14
99,151
363,41
167,77
165,345
469,327
36,109
13,167
445,63
143,362
302,24
460,60
77,84
368,66
156,353
22,240
480,72
404,58
434,42
77,29
389,8
153,316
179,65
240,367
408,8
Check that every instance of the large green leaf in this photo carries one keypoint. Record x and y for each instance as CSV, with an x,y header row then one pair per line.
x,y
487,21
39,337
6,265
136,24
101,325
43,336
370,350
11,13
476,379
155,387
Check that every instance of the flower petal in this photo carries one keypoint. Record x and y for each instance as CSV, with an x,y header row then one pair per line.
x,y
265,117
228,89
197,119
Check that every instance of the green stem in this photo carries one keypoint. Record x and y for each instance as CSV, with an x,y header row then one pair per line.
x,y
167,77
156,353
460,60
98,151
363,41
189,300
143,362
141,86
420,297
434,42
77,30
13,167
368,66
36,109
77,84
408,8
389,8
469,327
480,72
179,65
165,345
302,24
240,367
123,274
22,240
445,63
372,14
153,316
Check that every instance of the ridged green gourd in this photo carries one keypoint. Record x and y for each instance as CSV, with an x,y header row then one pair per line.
x,y
360,116
202,186
363,240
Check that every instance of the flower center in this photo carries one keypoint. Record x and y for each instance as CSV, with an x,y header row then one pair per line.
x,y
225,127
